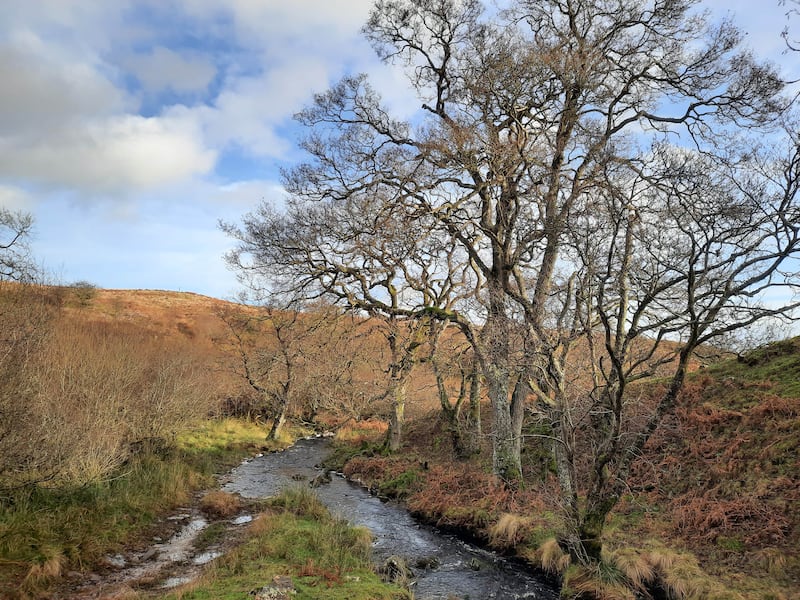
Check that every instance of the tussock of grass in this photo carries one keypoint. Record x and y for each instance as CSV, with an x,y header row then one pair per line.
x,y
46,571
509,530
674,575
772,560
219,504
301,501
601,582
637,568
552,558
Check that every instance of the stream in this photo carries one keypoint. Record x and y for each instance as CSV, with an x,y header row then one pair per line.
x,y
452,568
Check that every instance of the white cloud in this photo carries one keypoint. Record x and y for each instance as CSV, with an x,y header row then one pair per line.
x,y
248,112
162,68
118,154
67,120
247,194
43,89
260,22
13,198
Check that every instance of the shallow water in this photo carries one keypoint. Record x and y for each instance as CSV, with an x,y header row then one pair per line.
x,y
462,571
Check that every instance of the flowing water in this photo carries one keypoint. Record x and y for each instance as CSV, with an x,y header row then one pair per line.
x,y
443,566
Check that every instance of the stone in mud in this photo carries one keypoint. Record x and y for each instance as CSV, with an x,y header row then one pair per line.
x,y
151,553
117,561
282,588
427,562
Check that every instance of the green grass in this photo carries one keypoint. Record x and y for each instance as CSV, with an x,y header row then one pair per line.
x,y
220,443
775,366
44,532
401,486
325,557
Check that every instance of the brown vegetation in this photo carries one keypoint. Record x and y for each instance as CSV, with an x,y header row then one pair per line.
x,y
220,505
120,374
717,483
85,392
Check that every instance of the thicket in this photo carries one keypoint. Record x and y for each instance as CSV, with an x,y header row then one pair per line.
x,y
78,398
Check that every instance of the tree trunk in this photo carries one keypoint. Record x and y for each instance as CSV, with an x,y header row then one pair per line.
x,y
395,434
521,390
451,411
278,422
472,428
591,527
506,460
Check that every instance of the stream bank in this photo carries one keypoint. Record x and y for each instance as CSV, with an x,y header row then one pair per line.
x,y
442,565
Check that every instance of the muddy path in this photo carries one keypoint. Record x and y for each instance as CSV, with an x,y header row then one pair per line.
x,y
177,548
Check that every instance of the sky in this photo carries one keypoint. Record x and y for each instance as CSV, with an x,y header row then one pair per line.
x,y
129,128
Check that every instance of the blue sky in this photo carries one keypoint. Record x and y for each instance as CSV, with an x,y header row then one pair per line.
x,y
128,128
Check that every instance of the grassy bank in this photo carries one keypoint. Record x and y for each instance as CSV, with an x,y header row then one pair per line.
x,y
46,532
298,549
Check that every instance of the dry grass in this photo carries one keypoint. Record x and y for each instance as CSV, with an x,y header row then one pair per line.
x,y
49,570
772,561
598,583
356,432
637,567
509,530
552,558
219,504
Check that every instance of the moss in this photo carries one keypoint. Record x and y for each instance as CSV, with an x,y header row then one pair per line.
x,y
732,544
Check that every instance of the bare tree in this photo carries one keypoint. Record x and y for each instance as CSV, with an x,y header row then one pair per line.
x,y
270,346
15,259
688,249
792,10
520,115
367,255
451,357
293,359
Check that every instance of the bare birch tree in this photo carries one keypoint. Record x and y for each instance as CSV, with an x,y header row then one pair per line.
x,y
687,250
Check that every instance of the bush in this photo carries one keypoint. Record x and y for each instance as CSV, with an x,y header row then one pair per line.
x,y
79,397
84,292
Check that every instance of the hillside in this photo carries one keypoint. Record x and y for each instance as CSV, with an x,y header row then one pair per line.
x,y
170,314
713,508
723,474
714,501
